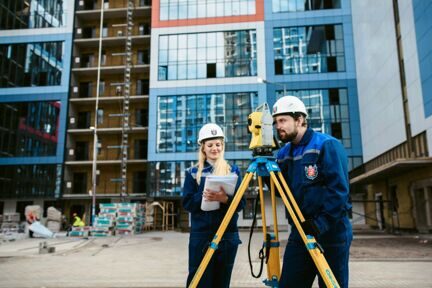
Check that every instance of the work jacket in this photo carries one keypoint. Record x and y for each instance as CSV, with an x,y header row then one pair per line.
x,y
316,172
78,222
207,221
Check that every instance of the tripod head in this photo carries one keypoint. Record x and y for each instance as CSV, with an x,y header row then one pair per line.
x,y
260,125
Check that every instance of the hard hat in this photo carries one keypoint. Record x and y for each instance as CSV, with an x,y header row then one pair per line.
x,y
209,131
289,104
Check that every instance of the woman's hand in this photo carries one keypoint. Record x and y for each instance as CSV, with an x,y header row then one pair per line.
x,y
219,196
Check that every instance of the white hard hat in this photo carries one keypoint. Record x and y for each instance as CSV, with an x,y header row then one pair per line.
x,y
289,104
209,131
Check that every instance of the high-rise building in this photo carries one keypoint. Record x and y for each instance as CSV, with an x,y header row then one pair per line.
x,y
106,146
216,61
35,49
393,59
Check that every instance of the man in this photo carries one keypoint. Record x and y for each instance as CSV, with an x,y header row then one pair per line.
x,y
77,221
315,167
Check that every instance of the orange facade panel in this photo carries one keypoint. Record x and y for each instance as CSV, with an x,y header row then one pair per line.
x,y
157,23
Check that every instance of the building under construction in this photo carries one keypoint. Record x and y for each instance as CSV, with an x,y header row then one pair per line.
x,y
106,144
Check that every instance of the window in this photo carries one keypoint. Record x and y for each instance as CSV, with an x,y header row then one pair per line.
x,y
207,55
81,151
279,6
191,9
141,118
308,49
31,64
31,14
278,66
79,185
30,181
139,183
85,89
29,129
140,149
181,117
332,118
83,120
336,129
211,70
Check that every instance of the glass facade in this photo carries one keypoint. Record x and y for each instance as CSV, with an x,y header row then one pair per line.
x,y
207,55
309,49
36,181
31,64
328,112
192,9
29,129
303,5
20,14
180,118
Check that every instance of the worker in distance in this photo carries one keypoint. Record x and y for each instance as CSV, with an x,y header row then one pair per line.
x,y
204,224
314,165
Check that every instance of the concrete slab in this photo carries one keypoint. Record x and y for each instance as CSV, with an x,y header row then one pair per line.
x,y
159,259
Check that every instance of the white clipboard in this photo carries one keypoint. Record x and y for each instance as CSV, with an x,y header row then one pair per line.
x,y
213,182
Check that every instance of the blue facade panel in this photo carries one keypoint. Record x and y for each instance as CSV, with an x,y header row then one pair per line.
x,y
342,79
423,27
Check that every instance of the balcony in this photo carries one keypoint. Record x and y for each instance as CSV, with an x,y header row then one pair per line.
x,y
110,70
90,5
85,92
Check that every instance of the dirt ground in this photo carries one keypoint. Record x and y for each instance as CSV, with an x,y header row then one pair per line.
x,y
400,247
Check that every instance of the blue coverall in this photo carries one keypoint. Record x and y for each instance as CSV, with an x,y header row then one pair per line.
x,y
204,225
317,174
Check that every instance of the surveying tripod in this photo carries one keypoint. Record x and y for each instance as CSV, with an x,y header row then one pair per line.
x,y
266,166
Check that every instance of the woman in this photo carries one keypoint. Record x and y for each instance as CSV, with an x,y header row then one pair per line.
x,y
204,224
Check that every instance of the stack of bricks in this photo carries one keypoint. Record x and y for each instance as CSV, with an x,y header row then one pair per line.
x,y
129,218
119,219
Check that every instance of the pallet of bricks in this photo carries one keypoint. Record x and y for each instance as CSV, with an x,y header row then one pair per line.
x,y
130,218
10,223
80,231
105,221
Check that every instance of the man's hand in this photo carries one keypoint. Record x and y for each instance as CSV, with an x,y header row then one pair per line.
x,y
310,228
219,196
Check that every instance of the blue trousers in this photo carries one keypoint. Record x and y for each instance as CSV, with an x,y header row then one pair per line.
x,y
219,269
299,270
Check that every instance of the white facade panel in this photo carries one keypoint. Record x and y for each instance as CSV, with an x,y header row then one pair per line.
x,y
378,81
412,72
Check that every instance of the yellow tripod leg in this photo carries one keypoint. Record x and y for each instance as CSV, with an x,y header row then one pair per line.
x,y
311,245
273,263
219,233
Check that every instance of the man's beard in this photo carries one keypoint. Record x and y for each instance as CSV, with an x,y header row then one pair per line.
x,y
285,138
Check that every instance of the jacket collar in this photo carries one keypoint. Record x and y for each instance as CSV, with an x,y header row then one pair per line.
x,y
306,137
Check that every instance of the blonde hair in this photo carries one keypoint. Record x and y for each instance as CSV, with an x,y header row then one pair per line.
x,y
220,168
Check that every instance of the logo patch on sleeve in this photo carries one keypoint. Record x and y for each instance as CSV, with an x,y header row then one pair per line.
x,y
311,171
